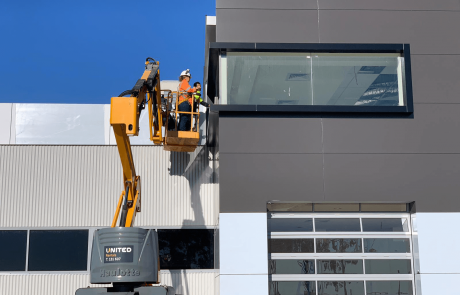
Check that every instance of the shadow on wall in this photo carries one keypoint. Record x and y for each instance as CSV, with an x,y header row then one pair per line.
x,y
198,168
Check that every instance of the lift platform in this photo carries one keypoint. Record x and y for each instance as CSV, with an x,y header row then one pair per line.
x,y
175,140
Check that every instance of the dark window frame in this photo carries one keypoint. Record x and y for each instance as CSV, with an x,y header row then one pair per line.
x,y
218,48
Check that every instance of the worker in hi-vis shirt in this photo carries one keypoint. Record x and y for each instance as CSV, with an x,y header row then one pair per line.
x,y
185,100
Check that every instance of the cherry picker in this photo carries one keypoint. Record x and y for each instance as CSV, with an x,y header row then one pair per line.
x,y
122,255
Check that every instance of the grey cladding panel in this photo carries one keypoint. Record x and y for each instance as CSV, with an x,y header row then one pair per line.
x,y
428,32
391,4
271,26
434,129
247,182
270,135
267,4
435,78
429,180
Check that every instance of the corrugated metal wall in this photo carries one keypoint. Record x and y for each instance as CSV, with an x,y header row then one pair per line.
x,y
70,186
184,282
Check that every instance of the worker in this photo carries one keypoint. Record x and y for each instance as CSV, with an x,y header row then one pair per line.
x,y
197,95
185,100
197,99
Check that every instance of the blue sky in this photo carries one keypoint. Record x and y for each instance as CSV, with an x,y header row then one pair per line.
x,y
87,51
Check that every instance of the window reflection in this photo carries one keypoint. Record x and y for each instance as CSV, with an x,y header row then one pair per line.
x,y
340,287
386,246
186,248
388,266
291,246
291,266
290,224
359,79
292,288
338,246
389,287
385,225
337,224
340,266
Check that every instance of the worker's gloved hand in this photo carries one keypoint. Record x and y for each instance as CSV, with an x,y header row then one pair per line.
x,y
205,104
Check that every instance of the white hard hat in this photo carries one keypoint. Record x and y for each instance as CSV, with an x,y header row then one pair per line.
x,y
186,73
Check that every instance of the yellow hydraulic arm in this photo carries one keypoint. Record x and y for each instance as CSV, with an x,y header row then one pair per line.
x,y
124,118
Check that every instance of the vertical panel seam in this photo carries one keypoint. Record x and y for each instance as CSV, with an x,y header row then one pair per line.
x,y
322,152
317,9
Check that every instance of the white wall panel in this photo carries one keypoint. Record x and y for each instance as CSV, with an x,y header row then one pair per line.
x,y
445,284
5,122
69,186
243,243
60,124
184,282
243,284
437,242
190,282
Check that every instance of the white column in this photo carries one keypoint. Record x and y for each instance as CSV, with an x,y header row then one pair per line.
x,y
243,253
438,243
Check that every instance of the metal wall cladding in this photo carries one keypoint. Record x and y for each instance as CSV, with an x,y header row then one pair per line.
x,y
79,186
184,282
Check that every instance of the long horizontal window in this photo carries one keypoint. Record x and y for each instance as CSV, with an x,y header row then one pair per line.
x,y
316,79
67,250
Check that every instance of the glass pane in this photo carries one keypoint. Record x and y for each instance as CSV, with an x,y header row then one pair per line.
x,y
341,288
340,266
269,79
388,266
386,246
13,247
355,79
389,287
291,266
338,246
385,224
290,224
291,246
337,224
186,248
49,250
292,288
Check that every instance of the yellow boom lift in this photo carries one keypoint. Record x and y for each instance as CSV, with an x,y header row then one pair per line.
x,y
125,256
124,118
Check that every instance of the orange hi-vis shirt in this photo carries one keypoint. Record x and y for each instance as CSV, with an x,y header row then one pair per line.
x,y
185,87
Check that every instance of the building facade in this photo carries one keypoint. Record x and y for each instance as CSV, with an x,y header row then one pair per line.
x,y
329,163
287,167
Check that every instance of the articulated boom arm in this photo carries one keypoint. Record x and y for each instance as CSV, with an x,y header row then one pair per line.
x,y
124,118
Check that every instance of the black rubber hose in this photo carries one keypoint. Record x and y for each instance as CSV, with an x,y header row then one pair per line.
x,y
126,93
151,59
124,211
